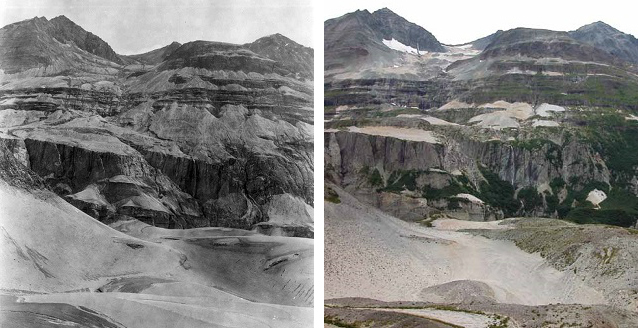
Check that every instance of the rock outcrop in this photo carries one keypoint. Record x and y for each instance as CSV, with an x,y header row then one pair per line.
x,y
193,135
414,180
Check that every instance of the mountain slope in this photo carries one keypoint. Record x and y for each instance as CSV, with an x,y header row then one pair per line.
x,y
37,47
156,56
357,39
65,30
293,56
537,43
482,43
609,39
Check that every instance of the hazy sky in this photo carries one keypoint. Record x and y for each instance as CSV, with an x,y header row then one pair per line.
x,y
137,26
454,22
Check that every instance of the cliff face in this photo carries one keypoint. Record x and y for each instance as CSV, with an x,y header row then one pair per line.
x,y
202,134
414,180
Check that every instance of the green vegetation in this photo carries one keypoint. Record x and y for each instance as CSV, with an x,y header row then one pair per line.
x,y
617,145
530,198
331,196
497,192
346,123
619,209
372,177
617,91
557,184
401,180
615,217
447,191
333,320
499,322
396,112
375,179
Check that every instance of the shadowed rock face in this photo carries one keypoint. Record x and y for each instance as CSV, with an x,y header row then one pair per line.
x,y
65,30
191,135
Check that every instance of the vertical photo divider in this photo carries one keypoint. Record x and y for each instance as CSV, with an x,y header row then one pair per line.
x,y
319,163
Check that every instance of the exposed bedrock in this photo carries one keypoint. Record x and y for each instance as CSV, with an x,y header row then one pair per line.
x,y
412,179
167,190
106,184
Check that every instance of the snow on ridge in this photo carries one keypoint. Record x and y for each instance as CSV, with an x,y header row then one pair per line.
x,y
398,46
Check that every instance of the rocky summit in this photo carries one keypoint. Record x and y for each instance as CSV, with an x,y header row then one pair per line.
x,y
172,188
190,135
477,183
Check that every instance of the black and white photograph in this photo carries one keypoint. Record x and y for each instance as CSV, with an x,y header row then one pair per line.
x,y
156,163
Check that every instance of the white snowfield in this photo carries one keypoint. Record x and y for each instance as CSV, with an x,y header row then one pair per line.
x,y
596,197
374,255
398,46
545,109
430,119
399,133
546,123
508,115
471,198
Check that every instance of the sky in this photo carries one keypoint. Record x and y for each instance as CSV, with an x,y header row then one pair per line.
x,y
138,26
456,22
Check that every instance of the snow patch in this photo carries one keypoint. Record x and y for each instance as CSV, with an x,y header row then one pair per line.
x,y
399,133
545,109
506,118
471,198
430,119
496,120
398,46
547,123
596,197
455,104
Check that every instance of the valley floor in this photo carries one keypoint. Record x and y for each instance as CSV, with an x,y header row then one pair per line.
x,y
371,254
60,267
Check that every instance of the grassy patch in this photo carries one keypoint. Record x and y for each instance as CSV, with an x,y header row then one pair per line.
x,y
375,179
331,196
335,321
530,198
498,193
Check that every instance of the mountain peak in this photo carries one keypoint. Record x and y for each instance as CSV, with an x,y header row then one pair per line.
x,y
598,26
277,36
385,10
602,35
62,17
